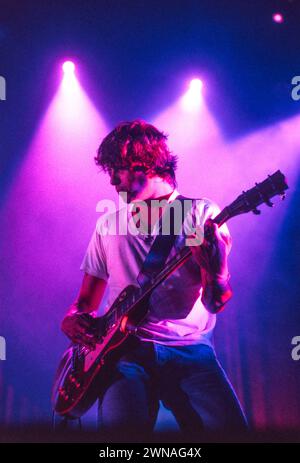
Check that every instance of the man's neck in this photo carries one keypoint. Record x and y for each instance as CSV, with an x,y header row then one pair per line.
x,y
156,190
148,214
158,198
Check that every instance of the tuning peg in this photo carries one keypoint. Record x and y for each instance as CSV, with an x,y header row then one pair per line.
x,y
269,203
256,211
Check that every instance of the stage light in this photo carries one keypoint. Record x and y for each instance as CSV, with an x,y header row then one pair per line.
x,y
69,80
68,67
277,18
193,97
196,86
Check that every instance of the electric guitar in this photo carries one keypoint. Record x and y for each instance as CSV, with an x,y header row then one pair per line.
x,y
82,373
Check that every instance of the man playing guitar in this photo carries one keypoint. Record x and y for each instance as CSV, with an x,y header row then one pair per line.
x,y
172,358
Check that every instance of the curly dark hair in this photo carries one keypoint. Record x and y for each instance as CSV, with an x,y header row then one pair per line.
x,y
137,144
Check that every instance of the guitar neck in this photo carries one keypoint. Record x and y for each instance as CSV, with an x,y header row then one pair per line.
x,y
179,259
183,255
247,201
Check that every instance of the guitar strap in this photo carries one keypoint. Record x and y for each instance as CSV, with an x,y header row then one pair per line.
x,y
161,248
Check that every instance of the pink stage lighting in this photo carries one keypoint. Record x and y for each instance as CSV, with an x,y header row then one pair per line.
x,y
68,67
69,78
277,18
196,86
193,97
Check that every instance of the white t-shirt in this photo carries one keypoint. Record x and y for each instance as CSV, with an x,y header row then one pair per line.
x,y
177,315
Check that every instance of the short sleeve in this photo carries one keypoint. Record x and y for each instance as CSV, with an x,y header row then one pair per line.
x,y
95,260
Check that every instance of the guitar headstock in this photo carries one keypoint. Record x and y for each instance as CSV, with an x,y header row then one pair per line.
x,y
249,200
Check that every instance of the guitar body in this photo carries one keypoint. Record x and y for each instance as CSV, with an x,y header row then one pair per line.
x,y
82,373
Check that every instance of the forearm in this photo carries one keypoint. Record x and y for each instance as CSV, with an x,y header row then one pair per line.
x,y
81,306
80,323
216,291
89,297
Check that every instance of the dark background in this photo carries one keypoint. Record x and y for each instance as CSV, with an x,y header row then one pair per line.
x,y
135,56
137,52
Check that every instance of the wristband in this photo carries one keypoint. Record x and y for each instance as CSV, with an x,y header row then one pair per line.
x,y
219,279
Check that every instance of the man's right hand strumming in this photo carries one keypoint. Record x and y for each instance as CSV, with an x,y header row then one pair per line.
x,y
78,324
81,328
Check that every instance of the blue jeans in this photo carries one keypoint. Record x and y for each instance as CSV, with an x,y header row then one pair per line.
x,y
188,380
